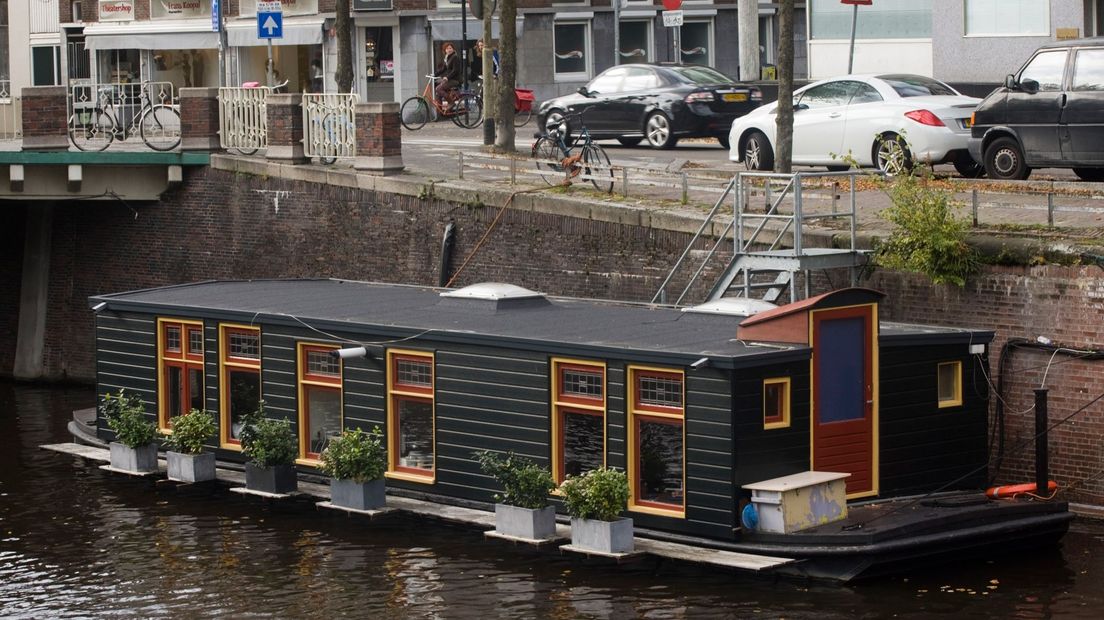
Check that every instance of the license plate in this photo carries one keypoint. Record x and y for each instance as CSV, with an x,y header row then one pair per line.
x,y
735,97
966,123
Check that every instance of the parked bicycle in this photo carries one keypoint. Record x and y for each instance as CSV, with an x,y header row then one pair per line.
x,y
251,114
559,162
102,114
466,111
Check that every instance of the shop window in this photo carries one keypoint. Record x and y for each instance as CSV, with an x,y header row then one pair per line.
x,y
776,403
319,398
180,372
999,18
571,57
636,41
884,19
950,384
579,417
697,43
410,419
657,441
239,379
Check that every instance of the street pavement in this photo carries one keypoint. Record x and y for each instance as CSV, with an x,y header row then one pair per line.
x,y
1012,209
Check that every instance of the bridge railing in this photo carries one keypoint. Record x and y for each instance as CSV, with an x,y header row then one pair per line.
x,y
243,120
329,125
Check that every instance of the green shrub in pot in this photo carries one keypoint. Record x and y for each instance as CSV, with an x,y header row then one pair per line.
x,y
134,449
523,510
187,462
356,461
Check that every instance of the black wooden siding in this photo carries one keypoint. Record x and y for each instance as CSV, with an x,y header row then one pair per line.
x,y
126,358
924,447
763,454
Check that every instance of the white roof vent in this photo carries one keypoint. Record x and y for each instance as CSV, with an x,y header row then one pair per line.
x,y
493,291
732,306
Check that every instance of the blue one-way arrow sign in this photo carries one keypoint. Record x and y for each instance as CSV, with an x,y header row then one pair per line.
x,y
270,25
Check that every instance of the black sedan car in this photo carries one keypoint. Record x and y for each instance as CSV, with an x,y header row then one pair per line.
x,y
660,103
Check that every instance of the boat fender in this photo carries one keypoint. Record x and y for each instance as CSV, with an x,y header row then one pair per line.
x,y
749,517
1012,490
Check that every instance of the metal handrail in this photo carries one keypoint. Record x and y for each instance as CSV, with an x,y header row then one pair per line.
x,y
689,246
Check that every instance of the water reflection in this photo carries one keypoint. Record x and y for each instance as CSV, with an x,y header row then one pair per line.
x,y
77,541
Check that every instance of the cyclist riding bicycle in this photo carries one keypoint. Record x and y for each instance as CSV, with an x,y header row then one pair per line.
x,y
449,73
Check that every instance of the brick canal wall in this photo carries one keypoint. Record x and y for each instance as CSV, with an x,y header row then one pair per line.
x,y
233,225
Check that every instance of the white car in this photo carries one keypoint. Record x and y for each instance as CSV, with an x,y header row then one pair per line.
x,y
883,121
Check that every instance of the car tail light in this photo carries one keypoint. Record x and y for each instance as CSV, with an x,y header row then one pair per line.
x,y
700,97
924,117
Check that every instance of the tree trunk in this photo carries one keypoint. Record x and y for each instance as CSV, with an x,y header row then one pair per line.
x,y
342,26
504,112
489,81
783,151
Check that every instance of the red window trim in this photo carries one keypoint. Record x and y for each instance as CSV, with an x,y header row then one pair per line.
x,y
313,378
637,419
396,437
781,417
305,435
564,397
234,359
561,417
410,388
640,374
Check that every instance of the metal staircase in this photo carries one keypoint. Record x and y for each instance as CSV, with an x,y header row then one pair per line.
x,y
768,247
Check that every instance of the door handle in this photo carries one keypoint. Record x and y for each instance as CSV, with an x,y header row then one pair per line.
x,y
835,115
1063,104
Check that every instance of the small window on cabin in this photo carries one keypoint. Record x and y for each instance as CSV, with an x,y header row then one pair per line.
x,y
172,338
578,417
320,418
776,403
950,384
410,427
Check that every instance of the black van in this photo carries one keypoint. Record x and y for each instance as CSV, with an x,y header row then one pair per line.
x,y
1050,114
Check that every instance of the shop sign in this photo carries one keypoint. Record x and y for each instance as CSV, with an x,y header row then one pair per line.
x,y
179,9
116,10
372,5
287,7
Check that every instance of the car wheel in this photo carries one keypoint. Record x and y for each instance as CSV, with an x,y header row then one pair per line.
x,y
724,142
758,154
629,141
555,118
658,131
1004,160
1089,174
967,167
891,155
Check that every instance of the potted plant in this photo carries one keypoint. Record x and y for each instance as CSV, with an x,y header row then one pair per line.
x,y
522,510
187,460
271,448
595,500
356,461
134,449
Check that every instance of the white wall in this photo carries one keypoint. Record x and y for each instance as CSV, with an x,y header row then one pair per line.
x,y
828,58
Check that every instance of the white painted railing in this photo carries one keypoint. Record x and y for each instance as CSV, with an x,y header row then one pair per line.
x,y
100,114
11,118
329,125
243,123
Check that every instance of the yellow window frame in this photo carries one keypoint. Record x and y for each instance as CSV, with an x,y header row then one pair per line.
x,y
956,400
305,380
163,359
635,411
397,391
226,362
782,421
560,404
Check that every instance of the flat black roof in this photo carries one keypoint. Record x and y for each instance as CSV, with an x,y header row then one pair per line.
x,y
545,323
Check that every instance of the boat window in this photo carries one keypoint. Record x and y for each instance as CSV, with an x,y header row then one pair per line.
x,y
950,384
776,403
180,383
239,379
319,398
657,441
579,417
410,427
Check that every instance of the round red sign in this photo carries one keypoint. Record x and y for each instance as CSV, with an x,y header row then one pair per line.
x,y
672,5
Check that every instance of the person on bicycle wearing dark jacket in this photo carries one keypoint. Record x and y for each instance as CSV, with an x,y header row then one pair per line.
x,y
450,72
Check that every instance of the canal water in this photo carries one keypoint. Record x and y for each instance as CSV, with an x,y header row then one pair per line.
x,y
78,541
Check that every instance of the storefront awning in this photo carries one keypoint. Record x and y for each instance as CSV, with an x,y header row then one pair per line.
x,y
178,34
449,28
304,30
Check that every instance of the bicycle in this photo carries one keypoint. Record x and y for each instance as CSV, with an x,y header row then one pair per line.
x,y
256,111
416,111
523,103
100,117
563,164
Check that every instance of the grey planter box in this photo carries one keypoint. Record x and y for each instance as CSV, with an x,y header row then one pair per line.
x,y
371,495
278,479
138,460
602,536
191,467
525,522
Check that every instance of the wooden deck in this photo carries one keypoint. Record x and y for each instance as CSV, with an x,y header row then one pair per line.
x,y
483,519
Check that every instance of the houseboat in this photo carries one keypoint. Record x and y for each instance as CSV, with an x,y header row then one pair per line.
x,y
699,405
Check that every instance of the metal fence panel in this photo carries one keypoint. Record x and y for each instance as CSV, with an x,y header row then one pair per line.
x,y
243,121
100,114
329,125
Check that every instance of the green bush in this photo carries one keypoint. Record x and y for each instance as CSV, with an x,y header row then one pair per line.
x,y
526,484
191,431
598,494
356,456
267,442
125,414
927,237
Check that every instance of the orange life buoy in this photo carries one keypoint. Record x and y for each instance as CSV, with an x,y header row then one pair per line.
x,y
1012,490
